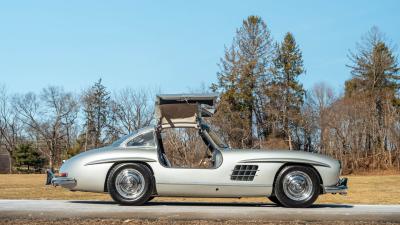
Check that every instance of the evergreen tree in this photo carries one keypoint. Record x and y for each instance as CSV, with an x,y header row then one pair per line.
x,y
96,108
375,69
375,79
286,92
27,156
243,69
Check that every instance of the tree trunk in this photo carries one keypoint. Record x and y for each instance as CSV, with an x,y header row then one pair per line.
x,y
86,139
250,139
51,165
290,142
10,162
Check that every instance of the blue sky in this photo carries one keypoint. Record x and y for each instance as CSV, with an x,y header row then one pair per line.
x,y
171,45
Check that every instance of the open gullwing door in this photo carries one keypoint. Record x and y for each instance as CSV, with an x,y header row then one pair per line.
x,y
183,110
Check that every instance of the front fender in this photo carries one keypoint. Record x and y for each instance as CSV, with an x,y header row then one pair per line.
x,y
327,167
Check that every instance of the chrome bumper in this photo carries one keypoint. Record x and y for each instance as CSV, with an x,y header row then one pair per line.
x,y
339,188
54,180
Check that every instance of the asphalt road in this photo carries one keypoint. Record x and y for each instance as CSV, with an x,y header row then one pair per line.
x,y
58,209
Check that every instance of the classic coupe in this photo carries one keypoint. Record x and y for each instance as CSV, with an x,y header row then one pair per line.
x,y
135,168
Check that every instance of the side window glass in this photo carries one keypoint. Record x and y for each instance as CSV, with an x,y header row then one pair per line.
x,y
144,140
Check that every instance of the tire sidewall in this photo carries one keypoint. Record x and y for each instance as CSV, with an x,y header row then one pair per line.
x,y
286,201
148,186
275,200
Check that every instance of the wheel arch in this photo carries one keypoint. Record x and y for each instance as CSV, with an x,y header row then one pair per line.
x,y
297,164
129,162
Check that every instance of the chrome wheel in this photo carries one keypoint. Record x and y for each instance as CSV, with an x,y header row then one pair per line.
x,y
130,184
298,186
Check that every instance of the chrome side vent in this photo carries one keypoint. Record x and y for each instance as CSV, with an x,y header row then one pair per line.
x,y
244,172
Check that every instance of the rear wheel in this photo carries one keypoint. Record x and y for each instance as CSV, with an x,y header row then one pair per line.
x,y
297,186
130,184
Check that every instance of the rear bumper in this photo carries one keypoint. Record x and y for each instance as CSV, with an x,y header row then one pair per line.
x,y
339,188
66,182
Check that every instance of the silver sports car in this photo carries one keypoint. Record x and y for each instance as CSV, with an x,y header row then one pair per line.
x,y
135,168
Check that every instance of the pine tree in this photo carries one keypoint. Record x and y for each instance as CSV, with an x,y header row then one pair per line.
x,y
375,69
376,77
286,91
26,155
96,108
243,69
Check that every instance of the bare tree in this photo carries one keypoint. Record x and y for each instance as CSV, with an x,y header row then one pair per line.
x,y
315,112
49,117
10,127
185,148
133,109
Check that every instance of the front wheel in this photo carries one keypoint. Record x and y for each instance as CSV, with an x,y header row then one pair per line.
x,y
130,184
297,186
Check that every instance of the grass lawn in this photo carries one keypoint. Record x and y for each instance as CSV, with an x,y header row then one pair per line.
x,y
366,189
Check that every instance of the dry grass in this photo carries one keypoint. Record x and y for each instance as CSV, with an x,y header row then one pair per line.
x,y
31,186
377,189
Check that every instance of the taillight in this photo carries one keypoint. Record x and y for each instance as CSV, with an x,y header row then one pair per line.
x,y
63,175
